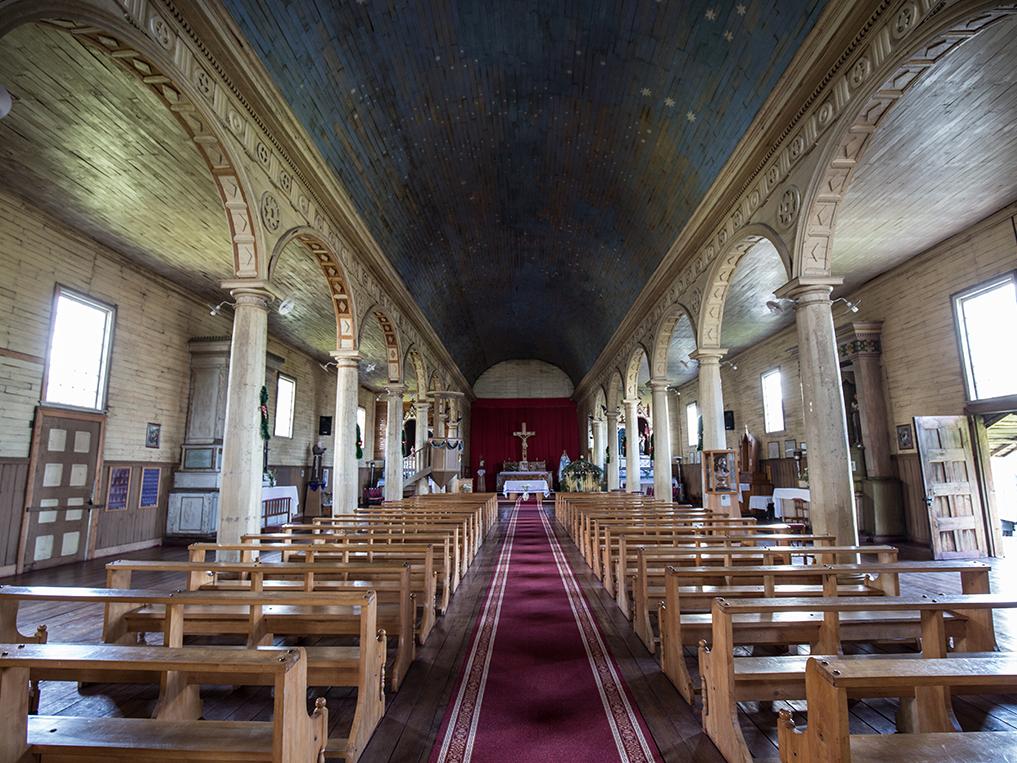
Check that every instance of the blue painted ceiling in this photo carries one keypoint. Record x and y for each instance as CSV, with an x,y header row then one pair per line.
x,y
525,164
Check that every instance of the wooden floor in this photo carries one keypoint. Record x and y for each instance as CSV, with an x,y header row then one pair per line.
x,y
413,715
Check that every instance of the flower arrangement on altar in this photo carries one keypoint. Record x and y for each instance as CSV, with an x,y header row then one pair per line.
x,y
581,476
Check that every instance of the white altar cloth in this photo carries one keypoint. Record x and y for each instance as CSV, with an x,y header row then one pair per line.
x,y
526,486
781,494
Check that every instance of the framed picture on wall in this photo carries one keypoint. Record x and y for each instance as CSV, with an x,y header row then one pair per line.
x,y
152,434
118,489
905,437
773,449
148,498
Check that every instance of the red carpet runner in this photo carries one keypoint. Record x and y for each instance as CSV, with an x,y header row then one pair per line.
x,y
539,684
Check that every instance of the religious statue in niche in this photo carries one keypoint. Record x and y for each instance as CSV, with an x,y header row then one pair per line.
x,y
481,478
720,471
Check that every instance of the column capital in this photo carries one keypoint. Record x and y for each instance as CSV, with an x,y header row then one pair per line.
x,y
809,288
422,405
631,401
395,389
615,415
708,355
346,358
251,292
659,384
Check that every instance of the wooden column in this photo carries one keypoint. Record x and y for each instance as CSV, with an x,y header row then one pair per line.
x,y
632,484
598,442
661,440
832,508
345,476
422,408
393,443
613,466
240,493
711,397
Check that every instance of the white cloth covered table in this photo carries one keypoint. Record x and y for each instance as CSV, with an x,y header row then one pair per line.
x,y
526,487
273,493
788,494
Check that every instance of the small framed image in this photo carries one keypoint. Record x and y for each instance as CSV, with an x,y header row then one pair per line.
x,y
152,434
905,437
118,489
773,449
789,448
148,497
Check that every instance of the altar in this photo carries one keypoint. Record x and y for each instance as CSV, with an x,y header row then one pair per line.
x,y
536,474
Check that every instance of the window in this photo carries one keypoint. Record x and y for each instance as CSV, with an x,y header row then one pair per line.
x,y
985,317
773,401
362,423
285,400
77,367
692,424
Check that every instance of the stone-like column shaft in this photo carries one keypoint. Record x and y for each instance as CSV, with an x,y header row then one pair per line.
x,y
832,490
632,480
598,442
711,398
613,465
872,414
661,441
345,472
393,444
420,441
240,492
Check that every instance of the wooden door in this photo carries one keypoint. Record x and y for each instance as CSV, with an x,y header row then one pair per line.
x,y
951,487
59,521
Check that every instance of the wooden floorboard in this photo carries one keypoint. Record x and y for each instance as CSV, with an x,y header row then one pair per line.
x,y
414,714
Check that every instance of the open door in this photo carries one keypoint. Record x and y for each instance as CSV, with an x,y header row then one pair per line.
x,y
947,459
58,524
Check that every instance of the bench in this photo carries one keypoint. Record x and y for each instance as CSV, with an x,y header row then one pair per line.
x,y
174,733
391,584
829,682
129,612
799,623
648,582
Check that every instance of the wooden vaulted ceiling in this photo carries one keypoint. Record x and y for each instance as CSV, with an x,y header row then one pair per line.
x,y
525,164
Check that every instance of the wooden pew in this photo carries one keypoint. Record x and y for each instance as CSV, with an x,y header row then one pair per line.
x,y
648,583
435,560
797,624
728,679
129,612
391,584
292,736
829,682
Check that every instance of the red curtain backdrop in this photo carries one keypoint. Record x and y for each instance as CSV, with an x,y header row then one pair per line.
x,y
493,420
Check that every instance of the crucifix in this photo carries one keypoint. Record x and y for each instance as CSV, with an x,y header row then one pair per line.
x,y
524,436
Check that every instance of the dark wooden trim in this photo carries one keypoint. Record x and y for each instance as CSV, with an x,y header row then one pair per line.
x,y
1004,404
6,352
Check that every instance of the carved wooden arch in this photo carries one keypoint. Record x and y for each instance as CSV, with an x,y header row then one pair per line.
x,y
662,337
632,370
599,402
335,276
615,385
433,381
415,360
721,273
916,38
148,58
393,357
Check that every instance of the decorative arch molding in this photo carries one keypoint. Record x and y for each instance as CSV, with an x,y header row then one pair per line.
x,y
718,280
335,276
393,356
661,340
615,385
151,59
632,364
413,359
908,46
599,402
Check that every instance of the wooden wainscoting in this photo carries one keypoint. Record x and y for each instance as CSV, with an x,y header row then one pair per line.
x,y
13,479
916,513
132,527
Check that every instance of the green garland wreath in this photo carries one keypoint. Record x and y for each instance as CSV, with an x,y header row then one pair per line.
x,y
360,444
264,413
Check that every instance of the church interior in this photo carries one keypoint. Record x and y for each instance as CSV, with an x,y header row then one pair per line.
x,y
524,380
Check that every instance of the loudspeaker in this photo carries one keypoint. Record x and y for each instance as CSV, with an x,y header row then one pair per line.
x,y
324,426
729,421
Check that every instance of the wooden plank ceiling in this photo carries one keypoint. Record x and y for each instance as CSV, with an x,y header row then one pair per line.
x,y
525,164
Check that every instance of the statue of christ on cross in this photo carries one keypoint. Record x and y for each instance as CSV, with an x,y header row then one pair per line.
x,y
524,436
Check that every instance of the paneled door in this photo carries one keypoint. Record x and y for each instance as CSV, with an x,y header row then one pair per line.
x,y
63,473
947,458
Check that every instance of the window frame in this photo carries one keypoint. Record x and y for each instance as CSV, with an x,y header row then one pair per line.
x,y
957,300
762,386
692,425
280,377
106,362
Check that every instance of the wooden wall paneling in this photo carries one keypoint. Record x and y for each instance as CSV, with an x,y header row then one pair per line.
x,y
782,472
13,479
133,525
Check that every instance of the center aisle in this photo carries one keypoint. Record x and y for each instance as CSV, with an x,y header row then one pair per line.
x,y
538,683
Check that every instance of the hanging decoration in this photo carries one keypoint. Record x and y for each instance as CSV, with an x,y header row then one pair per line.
x,y
360,444
448,444
265,435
